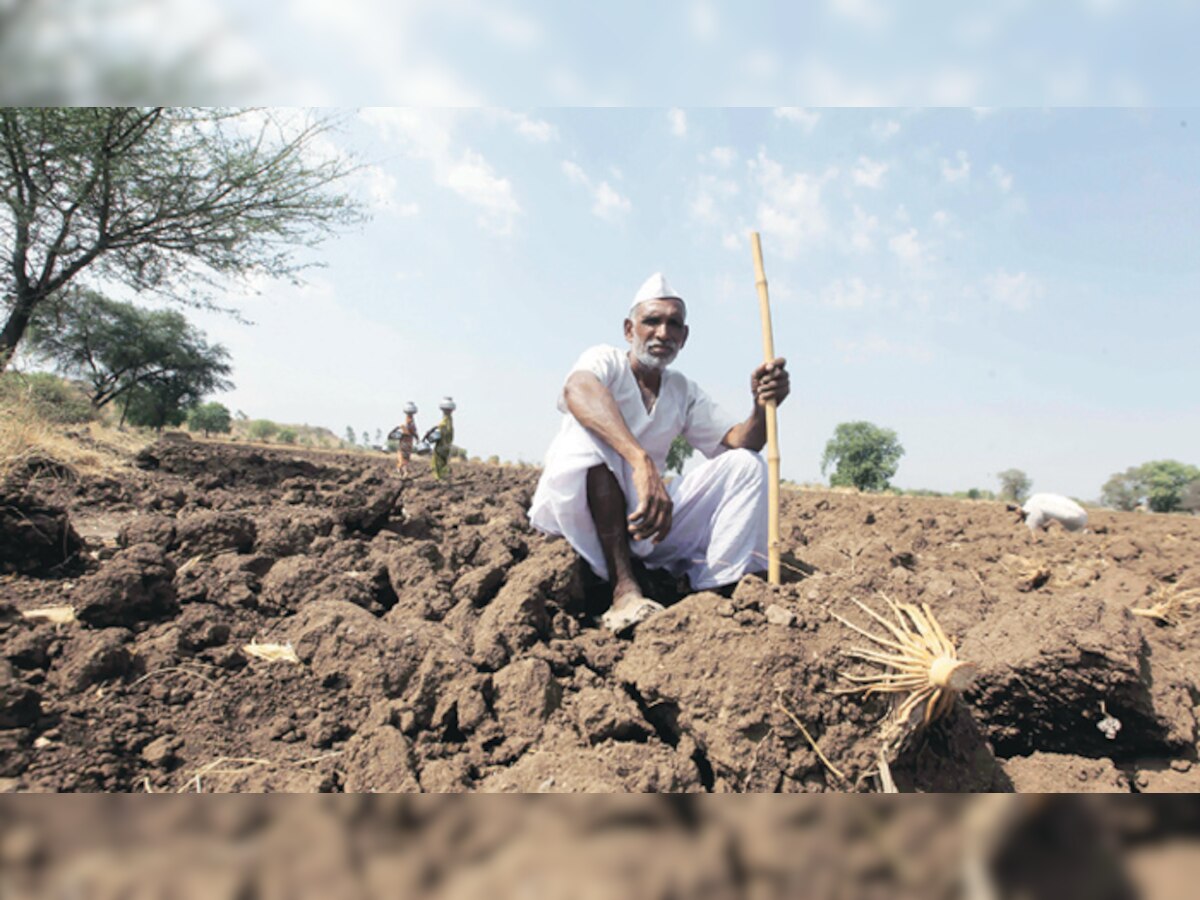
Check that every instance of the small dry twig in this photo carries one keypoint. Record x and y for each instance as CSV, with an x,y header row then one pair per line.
x,y
808,737
886,782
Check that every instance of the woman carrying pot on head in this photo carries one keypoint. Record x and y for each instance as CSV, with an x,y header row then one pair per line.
x,y
405,436
441,437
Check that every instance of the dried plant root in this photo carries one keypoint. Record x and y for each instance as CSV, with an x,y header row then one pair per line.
x,y
920,664
1167,602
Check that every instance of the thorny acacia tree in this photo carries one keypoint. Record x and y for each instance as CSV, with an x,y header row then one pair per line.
x,y
117,347
161,199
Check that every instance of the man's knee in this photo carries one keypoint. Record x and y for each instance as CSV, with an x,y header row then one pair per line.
x,y
601,480
746,465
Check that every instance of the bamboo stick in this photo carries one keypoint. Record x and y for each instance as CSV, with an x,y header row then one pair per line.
x,y
764,307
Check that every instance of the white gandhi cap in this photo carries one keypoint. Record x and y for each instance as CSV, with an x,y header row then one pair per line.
x,y
653,288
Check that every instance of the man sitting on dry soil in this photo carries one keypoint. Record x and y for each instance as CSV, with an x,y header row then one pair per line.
x,y
602,487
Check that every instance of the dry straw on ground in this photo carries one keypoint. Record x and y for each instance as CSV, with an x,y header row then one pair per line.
x,y
27,441
271,652
59,615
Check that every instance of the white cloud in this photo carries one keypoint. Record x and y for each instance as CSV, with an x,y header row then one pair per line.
x,y
607,203
1016,291
941,218
862,231
723,156
574,172
1003,179
465,172
732,241
885,129
869,173
862,12
805,118
790,207
472,177
710,190
379,187
952,172
537,130
848,293
909,249
678,121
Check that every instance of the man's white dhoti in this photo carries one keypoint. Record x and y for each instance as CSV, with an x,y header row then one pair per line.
x,y
719,523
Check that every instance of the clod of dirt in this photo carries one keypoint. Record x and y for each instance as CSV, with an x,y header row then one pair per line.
x,y
20,704
92,657
1053,773
563,766
300,580
153,529
706,676
1159,776
366,505
214,532
346,645
201,627
517,618
604,713
27,644
136,585
526,693
379,760
35,537
282,535
1045,670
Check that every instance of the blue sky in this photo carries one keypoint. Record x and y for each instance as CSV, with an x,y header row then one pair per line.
x,y
1004,288
1009,282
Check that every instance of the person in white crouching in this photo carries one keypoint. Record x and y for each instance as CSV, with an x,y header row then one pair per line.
x,y
1042,509
602,487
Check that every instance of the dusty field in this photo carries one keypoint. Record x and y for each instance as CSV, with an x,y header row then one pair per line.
x,y
443,646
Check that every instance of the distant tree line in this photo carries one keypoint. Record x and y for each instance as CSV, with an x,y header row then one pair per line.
x,y
865,456
1165,485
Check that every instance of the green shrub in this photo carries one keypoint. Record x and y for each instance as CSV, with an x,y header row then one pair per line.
x,y
262,429
286,436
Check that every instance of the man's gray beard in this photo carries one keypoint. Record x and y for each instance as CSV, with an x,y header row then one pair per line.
x,y
650,361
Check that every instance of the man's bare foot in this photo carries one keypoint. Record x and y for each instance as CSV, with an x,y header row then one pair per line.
x,y
628,611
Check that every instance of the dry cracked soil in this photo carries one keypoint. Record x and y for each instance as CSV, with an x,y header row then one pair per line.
x,y
441,645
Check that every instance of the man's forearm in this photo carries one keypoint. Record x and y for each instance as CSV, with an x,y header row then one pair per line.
x,y
750,434
591,403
